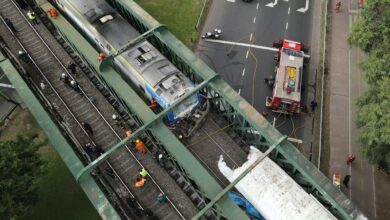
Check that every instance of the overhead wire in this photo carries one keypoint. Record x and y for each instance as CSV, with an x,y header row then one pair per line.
x,y
209,136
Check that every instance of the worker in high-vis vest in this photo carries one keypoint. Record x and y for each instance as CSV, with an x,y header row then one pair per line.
x,y
101,57
140,146
140,182
32,17
143,173
53,12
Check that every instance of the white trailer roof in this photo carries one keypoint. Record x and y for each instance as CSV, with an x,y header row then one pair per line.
x,y
273,192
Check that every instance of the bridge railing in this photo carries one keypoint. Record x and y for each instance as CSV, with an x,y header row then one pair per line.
x,y
248,124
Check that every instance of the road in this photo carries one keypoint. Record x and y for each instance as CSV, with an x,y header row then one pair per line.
x,y
369,189
245,67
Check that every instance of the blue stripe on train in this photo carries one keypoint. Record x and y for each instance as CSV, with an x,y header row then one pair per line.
x,y
162,102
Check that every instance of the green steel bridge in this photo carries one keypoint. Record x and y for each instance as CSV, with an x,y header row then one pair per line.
x,y
247,123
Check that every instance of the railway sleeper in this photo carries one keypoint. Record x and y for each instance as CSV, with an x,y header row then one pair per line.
x,y
127,116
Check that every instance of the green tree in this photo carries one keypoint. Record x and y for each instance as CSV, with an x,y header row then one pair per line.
x,y
20,168
371,33
372,29
373,118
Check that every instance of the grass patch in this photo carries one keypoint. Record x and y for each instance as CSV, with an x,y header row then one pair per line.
x,y
60,197
179,15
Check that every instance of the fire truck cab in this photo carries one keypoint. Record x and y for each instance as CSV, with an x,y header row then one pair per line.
x,y
286,93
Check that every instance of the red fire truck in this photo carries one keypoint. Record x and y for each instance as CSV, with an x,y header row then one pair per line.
x,y
286,93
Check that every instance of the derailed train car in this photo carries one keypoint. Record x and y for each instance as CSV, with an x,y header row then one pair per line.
x,y
154,75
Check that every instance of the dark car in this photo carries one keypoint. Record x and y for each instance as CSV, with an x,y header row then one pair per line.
x,y
247,0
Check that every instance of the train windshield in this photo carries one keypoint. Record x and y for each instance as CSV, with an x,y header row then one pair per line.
x,y
186,106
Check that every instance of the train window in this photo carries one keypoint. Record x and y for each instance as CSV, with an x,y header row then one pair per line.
x,y
106,18
144,49
144,58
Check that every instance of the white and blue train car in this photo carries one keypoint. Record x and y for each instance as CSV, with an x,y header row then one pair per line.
x,y
154,75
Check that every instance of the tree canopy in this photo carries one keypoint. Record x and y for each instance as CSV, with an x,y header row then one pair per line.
x,y
372,29
20,167
371,33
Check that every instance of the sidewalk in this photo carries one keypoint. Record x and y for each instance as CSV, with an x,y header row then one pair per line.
x,y
346,84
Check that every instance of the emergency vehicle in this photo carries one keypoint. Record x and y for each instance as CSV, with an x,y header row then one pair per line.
x,y
286,93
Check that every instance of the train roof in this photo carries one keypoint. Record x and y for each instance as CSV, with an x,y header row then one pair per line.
x,y
273,192
110,31
99,14
153,66
288,80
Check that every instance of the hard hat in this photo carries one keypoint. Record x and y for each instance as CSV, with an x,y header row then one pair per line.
x,y
72,82
160,156
114,116
137,141
20,52
63,75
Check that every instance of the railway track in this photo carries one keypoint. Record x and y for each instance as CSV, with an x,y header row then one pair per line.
x,y
75,108
210,142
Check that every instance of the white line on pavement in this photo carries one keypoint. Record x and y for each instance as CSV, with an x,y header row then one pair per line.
x,y
288,11
243,72
250,38
374,189
286,26
242,44
303,10
257,7
254,20
349,115
247,45
272,4
247,54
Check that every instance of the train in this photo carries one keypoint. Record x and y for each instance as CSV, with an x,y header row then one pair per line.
x,y
146,68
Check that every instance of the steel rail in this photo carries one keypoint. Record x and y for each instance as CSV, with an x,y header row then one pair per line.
x,y
64,104
84,94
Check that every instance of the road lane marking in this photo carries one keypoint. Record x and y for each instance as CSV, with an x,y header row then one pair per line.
x,y
288,11
257,7
239,91
374,189
247,54
303,10
349,116
231,1
243,72
247,45
250,38
286,26
254,20
242,44
272,4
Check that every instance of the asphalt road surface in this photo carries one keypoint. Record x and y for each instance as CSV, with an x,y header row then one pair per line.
x,y
245,67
